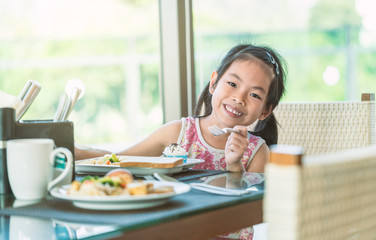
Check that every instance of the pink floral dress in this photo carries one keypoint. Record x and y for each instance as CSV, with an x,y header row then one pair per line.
x,y
191,140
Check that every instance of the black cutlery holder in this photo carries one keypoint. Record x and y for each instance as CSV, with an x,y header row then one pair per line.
x,y
61,132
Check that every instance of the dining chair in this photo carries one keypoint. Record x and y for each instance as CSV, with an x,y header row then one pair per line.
x,y
329,196
322,127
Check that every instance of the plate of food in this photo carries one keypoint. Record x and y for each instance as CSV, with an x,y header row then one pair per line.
x,y
117,190
137,165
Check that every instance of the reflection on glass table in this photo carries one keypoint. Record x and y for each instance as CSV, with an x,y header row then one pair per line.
x,y
231,184
27,227
234,180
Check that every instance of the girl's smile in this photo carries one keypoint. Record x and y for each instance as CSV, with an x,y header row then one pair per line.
x,y
232,111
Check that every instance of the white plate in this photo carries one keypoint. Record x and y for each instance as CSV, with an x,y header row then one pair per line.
x,y
102,168
122,202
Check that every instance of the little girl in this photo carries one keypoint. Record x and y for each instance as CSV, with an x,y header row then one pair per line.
x,y
245,89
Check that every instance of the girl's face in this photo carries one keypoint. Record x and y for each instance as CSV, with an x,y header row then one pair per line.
x,y
239,97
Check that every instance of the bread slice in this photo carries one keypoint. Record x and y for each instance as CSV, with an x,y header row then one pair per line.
x,y
151,162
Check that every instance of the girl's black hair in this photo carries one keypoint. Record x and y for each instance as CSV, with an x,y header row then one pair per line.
x,y
267,128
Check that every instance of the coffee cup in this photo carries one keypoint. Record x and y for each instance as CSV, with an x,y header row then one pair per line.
x,y
30,165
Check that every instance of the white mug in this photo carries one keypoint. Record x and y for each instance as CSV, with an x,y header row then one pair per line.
x,y
30,164
59,167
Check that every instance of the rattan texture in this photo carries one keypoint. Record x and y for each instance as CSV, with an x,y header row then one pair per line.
x,y
338,201
324,127
332,201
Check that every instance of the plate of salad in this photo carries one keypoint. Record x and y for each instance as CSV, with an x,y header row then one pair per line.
x,y
117,190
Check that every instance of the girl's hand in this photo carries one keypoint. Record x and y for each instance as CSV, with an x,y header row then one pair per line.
x,y
88,152
236,145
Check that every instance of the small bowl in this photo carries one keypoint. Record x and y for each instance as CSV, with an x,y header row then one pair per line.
x,y
179,156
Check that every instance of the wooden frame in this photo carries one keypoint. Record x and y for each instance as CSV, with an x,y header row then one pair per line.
x,y
203,225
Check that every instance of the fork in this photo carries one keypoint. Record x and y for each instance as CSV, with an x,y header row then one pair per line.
x,y
216,131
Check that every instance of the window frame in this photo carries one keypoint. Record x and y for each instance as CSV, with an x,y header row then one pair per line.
x,y
177,78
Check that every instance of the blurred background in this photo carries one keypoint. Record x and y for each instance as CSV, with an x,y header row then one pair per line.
x,y
113,47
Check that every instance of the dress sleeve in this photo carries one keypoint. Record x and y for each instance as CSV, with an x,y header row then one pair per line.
x,y
255,149
182,131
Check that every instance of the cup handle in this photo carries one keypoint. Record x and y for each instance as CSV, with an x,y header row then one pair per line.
x,y
68,165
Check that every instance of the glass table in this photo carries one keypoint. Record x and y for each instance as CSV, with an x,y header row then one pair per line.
x,y
196,214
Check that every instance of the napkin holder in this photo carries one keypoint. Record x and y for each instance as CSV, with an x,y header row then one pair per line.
x,y
61,132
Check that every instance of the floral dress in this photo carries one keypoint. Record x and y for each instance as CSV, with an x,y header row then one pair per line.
x,y
191,140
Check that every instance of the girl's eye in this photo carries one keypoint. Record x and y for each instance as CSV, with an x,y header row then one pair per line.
x,y
231,84
255,95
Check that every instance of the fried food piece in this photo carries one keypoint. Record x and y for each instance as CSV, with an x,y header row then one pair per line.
x,y
138,188
163,189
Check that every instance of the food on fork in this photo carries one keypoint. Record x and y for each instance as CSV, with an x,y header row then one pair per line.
x,y
175,150
115,182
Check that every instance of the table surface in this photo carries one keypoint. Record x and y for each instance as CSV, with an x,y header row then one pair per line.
x,y
192,215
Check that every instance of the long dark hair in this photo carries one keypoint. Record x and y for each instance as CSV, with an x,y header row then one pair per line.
x,y
267,128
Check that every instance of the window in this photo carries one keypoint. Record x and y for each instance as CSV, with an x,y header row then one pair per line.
x,y
329,46
111,46
114,48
